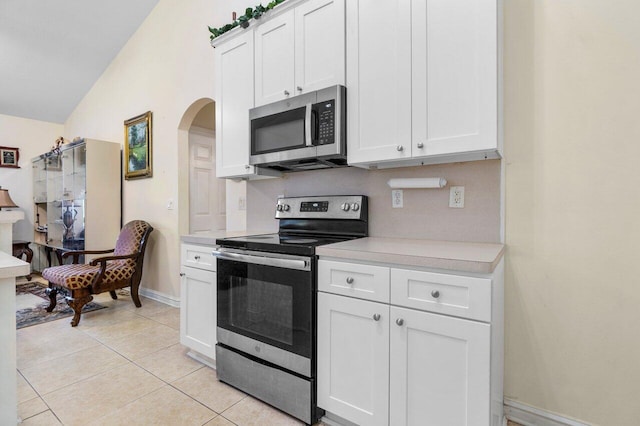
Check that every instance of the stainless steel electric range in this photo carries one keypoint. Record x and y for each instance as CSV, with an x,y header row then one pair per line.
x,y
267,300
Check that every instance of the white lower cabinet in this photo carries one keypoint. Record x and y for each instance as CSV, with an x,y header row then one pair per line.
x,y
353,359
383,364
198,299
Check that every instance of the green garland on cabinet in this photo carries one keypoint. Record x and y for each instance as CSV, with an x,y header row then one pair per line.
x,y
243,21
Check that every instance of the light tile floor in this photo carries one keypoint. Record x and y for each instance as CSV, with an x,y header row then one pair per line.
x,y
125,366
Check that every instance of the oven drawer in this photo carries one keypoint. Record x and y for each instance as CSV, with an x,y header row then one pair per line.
x,y
197,256
461,296
353,279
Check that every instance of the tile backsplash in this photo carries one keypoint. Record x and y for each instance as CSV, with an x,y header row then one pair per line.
x,y
426,212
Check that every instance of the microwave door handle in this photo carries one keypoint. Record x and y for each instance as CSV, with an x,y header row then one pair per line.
x,y
307,125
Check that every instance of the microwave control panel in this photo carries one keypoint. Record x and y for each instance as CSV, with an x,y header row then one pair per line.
x,y
326,122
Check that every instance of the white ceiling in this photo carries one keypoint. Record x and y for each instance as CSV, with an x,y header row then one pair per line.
x,y
53,51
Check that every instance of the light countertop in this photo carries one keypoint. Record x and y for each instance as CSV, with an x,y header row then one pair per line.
x,y
450,255
12,266
209,238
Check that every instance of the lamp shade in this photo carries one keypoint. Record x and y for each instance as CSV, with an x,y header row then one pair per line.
x,y
5,199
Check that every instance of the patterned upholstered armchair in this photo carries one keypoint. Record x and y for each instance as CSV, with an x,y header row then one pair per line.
x,y
123,269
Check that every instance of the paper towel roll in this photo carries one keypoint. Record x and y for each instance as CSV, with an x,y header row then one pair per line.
x,y
409,183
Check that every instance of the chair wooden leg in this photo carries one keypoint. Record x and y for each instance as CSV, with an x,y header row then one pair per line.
x,y
134,295
51,292
77,300
113,294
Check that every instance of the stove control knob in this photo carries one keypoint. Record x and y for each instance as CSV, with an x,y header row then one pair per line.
x,y
355,207
279,207
286,207
345,207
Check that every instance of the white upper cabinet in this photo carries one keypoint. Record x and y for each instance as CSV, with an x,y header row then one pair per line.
x,y
300,50
275,59
234,98
454,76
378,80
422,79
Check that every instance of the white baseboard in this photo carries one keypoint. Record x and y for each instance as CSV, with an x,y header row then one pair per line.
x,y
202,359
531,416
159,297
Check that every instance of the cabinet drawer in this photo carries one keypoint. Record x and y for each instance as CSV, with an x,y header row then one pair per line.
x,y
466,297
356,280
197,256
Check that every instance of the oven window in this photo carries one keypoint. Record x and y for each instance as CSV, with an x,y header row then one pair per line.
x,y
270,304
263,308
278,132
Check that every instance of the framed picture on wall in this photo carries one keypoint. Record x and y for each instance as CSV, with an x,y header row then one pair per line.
x,y
137,147
9,157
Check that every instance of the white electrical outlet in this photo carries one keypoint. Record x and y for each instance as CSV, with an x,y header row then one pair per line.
x,y
242,203
397,201
456,197
170,204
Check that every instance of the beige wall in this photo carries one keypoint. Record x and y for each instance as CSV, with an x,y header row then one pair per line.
x,y
572,138
426,212
32,138
165,67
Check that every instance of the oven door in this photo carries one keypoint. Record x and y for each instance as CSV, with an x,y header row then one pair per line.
x,y
265,306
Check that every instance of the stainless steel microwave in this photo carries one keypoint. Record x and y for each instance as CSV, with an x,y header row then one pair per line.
x,y
305,132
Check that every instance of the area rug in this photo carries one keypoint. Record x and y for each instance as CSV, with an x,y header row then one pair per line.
x,y
32,301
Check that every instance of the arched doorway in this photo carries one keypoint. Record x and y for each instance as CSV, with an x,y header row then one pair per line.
x,y
202,195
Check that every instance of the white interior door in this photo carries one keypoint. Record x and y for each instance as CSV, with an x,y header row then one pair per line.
x,y
207,203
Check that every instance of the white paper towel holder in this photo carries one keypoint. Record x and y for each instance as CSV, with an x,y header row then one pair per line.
x,y
417,183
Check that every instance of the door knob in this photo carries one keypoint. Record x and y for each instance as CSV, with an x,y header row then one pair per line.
x,y
399,321
349,280
435,294
420,145
400,147
376,317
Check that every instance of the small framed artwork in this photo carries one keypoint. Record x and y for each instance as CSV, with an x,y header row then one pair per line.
x,y
137,147
9,157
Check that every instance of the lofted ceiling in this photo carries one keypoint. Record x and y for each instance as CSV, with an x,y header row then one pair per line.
x,y
52,52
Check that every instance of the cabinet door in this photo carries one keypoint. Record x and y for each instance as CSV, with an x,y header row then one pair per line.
x,y
275,59
440,370
378,80
319,45
454,76
198,310
353,359
234,98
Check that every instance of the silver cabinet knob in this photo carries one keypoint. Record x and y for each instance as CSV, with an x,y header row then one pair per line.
x,y
350,280
299,89
435,294
355,207
182,274
247,166
376,317
420,145
196,257
399,321
286,93
400,148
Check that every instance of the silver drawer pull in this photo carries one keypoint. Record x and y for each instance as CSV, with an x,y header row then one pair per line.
x,y
435,294
349,280
376,317
400,321
182,274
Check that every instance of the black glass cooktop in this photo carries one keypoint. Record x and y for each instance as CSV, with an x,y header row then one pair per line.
x,y
281,243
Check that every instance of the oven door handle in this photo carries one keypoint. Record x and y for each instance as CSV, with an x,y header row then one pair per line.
x,y
300,264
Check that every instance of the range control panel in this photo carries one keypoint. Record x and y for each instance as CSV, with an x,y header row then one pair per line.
x,y
322,207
